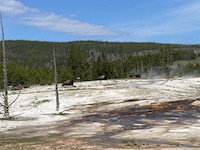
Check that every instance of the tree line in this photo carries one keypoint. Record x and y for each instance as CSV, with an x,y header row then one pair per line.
x,y
31,62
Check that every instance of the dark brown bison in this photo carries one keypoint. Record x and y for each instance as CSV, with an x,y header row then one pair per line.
x,y
68,82
137,76
102,77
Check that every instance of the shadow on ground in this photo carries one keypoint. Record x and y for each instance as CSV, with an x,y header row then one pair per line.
x,y
127,118
140,118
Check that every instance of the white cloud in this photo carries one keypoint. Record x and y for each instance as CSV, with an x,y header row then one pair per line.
x,y
50,21
13,7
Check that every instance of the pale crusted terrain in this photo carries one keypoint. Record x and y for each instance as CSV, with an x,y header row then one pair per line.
x,y
111,114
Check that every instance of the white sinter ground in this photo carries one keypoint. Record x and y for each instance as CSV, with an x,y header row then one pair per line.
x,y
37,105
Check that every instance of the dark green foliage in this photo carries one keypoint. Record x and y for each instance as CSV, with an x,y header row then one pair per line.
x,y
64,73
191,69
31,62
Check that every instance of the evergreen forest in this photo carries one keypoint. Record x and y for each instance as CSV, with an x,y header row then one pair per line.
x,y
31,62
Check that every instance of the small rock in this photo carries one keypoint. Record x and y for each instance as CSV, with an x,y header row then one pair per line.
x,y
196,103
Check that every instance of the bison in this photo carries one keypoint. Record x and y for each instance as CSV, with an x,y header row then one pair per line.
x,y
68,82
137,76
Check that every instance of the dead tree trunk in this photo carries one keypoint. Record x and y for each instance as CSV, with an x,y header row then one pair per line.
x,y
5,95
55,79
5,104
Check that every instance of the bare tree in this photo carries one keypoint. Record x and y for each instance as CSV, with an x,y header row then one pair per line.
x,y
5,95
55,79
5,104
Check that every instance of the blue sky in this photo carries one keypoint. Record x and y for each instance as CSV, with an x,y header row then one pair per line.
x,y
167,21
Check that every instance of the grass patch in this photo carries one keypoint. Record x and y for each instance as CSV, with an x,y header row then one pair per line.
x,y
18,119
20,140
8,119
60,114
130,143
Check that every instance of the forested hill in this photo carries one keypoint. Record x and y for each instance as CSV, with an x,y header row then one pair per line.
x,y
30,62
